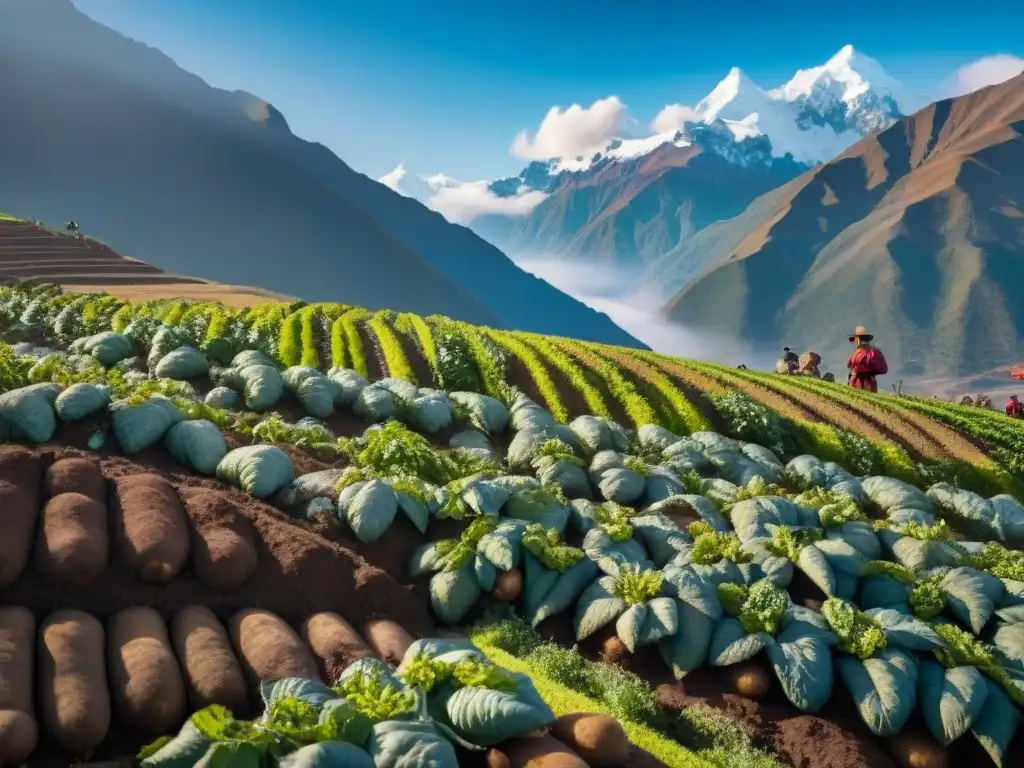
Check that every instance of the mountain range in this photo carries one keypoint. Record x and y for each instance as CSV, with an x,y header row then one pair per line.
x,y
642,197
917,229
212,183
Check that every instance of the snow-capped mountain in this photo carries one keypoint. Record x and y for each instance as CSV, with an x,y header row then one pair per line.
x,y
605,204
815,116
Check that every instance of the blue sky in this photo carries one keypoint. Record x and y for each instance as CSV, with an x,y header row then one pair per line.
x,y
445,85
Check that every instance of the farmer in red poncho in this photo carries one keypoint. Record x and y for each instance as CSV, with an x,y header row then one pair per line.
x,y
1014,408
866,363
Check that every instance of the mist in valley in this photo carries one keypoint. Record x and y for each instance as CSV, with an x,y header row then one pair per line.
x,y
614,291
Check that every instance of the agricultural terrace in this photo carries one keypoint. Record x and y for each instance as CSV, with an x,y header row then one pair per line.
x,y
308,534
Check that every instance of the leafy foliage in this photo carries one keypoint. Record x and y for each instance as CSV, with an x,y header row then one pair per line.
x,y
636,586
547,546
395,361
538,372
711,546
763,609
375,697
614,520
859,635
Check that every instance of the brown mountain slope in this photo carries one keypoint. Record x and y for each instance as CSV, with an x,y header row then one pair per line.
x,y
636,210
29,251
917,231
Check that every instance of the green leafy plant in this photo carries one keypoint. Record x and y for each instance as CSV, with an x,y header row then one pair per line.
x,y
637,586
455,554
711,546
614,519
927,598
375,697
787,543
859,635
964,650
547,546
995,559
763,607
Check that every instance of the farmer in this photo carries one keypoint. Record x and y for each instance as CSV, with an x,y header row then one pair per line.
x,y
866,363
1014,408
809,362
788,363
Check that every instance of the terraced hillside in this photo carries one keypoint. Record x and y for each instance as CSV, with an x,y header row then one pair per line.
x,y
371,531
29,251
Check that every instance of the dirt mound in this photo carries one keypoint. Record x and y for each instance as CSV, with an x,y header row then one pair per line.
x,y
171,582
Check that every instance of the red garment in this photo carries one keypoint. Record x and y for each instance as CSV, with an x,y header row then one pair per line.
x,y
865,364
1014,408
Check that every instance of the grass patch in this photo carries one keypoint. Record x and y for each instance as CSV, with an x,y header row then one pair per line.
x,y
564,701
714,738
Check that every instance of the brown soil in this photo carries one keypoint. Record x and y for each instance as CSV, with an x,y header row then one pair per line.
x,y
952,442
418,363
517,374
615,408
572,398
375,365
697,389
641,375
833,738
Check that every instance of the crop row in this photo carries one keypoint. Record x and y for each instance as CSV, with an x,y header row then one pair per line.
x,y
577,378
395,362
536,369
686,416
637,408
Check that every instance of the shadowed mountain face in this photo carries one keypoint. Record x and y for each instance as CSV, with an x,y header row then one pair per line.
x,y
210,183
917,231
636,210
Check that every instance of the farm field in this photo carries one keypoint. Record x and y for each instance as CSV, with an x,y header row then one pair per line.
x,y
430,532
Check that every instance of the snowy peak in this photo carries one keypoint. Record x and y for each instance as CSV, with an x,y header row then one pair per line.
x,y
848,76
736,93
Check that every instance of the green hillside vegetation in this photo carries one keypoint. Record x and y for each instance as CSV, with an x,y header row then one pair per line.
x,y
816,540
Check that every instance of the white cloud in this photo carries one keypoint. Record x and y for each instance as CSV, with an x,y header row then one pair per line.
x,y
983,72
393,180
462,202
573,131
672,118
611,290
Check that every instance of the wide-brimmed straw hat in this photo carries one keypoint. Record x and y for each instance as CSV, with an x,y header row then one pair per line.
x,y
860,332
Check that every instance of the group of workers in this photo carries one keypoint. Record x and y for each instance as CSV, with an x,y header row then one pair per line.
x,y
865,365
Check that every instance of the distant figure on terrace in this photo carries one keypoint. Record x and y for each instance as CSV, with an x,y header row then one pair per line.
x,y
788,363
809,362
866,363
72,227
1014,408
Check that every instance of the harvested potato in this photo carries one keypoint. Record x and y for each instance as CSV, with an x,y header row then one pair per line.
x,y
541,752
17,654
508,587
73,697
152,533
72,543
19,735
145,678
75,475
388,640
19,732
598,739
495,758
334,642
212,672
917,750
751,680
223,543
614,651
22,466
18,515
268,648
